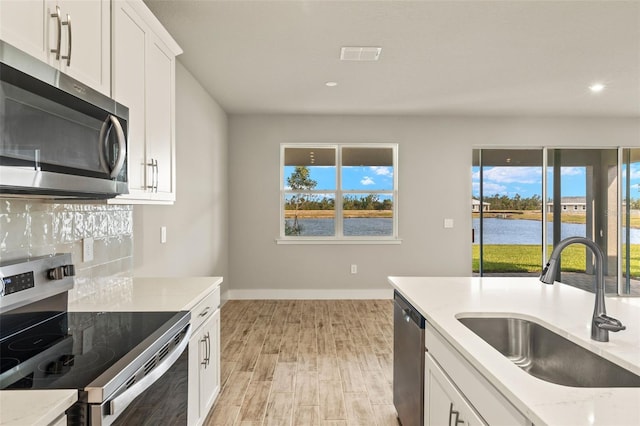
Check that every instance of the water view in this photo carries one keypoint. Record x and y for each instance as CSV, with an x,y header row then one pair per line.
x,y
353,227
509,231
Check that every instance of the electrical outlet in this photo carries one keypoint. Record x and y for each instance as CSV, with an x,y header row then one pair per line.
x,y
87,250
354,269
448,223
163,234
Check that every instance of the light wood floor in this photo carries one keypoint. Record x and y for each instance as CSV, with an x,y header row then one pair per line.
x,y
306,362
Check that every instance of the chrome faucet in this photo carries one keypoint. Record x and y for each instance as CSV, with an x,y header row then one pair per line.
x,y
601,324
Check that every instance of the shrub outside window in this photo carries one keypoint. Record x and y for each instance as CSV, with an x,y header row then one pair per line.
x,y
338,192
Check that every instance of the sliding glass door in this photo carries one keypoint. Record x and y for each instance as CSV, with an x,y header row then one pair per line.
x,y
507,211
630,218
524,201
582,188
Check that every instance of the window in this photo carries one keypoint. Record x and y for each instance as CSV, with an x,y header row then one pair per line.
x,y
335,192
587,192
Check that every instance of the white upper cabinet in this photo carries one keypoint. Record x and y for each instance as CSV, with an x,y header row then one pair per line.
x,y
71,35
144,80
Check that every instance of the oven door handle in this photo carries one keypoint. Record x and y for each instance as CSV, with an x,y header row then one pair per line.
x,y
117,405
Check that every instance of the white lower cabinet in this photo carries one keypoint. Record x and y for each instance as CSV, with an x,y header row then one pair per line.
x,y
444,404
456,394
204,358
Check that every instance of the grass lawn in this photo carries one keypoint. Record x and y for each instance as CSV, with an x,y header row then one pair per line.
x,y
527,258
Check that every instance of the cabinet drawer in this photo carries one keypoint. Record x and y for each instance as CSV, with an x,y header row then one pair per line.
x,y
204,309
494,408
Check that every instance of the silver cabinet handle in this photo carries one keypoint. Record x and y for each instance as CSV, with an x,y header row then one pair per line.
x,y
68,57
103,141
206,351
151,164
208,348
455,413
157,177
154,175
205,312
59,22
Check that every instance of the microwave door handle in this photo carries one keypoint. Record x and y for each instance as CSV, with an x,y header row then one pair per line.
x,y
117,405
102,144
122,146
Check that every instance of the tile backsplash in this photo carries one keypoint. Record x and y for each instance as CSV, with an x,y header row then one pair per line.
x,y
31,228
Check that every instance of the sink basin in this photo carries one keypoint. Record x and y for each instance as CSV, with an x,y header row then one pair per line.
x,y
547,355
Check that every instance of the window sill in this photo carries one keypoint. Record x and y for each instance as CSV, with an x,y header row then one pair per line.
x,y
345,241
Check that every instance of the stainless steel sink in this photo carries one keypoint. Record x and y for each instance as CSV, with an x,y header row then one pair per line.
x,y
547,355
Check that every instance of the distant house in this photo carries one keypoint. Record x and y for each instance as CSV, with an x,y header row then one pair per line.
x,y
475,206
571,205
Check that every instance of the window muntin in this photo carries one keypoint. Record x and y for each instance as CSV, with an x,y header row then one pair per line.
x,y
354,200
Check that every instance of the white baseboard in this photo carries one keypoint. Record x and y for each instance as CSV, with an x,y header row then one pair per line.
x,y
299,294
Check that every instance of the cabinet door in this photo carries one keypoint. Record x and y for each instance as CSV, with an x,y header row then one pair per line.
x,y
195,353
90,44
204,369
210,371
129,87
23,25
444,404
159,116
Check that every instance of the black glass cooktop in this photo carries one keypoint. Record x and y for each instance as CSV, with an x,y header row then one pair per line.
x,y
70,350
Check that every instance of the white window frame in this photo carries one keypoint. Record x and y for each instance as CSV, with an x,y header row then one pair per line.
x,y
339,238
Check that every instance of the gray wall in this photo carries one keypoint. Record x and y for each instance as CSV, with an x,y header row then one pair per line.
x,y
434,183
197,229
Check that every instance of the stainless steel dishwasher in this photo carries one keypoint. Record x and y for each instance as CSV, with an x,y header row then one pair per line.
x,y
408,362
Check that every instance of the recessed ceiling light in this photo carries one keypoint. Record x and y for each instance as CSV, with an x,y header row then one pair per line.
x,y
331,83
597,87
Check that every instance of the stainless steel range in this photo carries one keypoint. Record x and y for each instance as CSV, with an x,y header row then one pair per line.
x,y
125,365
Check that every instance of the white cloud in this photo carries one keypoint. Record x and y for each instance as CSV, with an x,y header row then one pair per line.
x,y
381,171
635,171
572,171
367,181
490,188
502,175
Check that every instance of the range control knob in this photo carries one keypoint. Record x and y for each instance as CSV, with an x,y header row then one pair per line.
x,y
60,272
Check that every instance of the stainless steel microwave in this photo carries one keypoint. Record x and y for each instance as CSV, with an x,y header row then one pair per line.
x,y
58,137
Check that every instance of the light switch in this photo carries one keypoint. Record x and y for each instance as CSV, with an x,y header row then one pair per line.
x,y
163,234
448,223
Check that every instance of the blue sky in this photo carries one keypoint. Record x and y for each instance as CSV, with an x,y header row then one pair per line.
x,y
527,181
369,178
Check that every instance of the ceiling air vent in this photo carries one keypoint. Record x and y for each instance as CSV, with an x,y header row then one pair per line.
x,y
359,53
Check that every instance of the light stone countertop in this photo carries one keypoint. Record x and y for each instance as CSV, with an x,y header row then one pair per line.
x,y
34,407
31,407
561,308
148,294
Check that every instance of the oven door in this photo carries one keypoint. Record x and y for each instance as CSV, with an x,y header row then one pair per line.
x,y
156,392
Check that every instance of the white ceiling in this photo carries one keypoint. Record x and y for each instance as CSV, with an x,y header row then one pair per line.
x,y
438,57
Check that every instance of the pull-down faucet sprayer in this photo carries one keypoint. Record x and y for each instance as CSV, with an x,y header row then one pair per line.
x,y
601,324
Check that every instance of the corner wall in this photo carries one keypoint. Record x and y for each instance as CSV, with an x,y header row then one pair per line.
x,y
434,184
197,224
